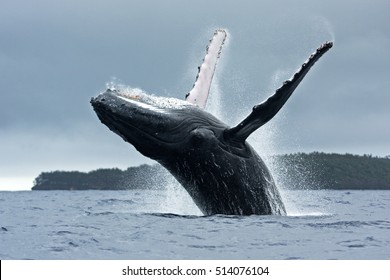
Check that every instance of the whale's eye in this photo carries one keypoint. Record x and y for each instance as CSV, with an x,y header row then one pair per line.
x,y
201,136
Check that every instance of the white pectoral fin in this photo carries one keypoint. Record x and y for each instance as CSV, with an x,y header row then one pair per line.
x,y
200,91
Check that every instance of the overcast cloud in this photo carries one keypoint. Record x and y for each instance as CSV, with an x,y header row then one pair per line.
x,y
56,55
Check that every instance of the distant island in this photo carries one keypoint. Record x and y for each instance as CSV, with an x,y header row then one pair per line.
x,y
293,171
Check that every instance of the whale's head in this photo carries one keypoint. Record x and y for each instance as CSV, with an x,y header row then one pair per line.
x,y
157,127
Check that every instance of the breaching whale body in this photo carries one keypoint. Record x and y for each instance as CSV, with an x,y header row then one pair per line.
x,y
213,161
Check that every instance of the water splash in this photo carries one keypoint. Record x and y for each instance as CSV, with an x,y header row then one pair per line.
x,y
144,97
113,84
324,28
265,140
214,104
306,203
176,199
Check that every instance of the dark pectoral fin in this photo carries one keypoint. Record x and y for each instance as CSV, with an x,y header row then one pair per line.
x,y
265,111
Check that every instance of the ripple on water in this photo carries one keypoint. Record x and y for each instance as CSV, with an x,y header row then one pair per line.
x,y
111,201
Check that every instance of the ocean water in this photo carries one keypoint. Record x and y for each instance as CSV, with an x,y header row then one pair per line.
x,y
146,225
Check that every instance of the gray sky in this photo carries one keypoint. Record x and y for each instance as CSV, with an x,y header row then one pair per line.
x,y
56,55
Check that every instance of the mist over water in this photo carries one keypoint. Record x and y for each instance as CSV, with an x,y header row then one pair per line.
x,y
176,199
324,28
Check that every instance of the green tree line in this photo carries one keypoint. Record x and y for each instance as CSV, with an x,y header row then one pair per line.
x,y
334,171
141,177
294,171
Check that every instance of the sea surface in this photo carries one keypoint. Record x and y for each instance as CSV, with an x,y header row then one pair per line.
x,y
166,225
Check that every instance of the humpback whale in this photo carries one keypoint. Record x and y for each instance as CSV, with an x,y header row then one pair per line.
x,y
213,161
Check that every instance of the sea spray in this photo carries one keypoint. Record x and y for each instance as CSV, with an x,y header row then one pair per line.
x,y
323,28
214,104
176,199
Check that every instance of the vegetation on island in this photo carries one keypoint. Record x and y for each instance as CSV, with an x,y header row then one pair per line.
x,y
294,171
334,171
140,177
